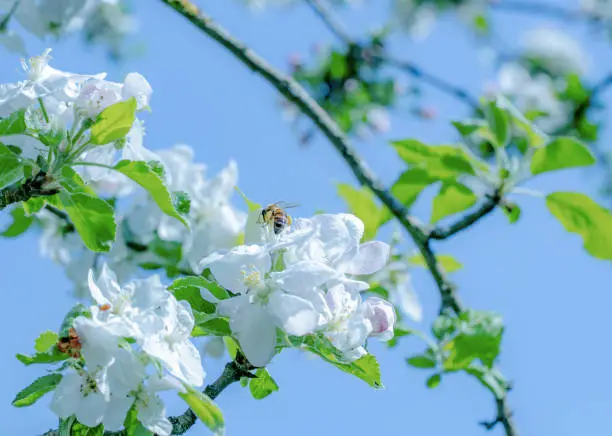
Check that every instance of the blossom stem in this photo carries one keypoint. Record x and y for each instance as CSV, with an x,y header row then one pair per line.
x,y
296,94
232,373
43,110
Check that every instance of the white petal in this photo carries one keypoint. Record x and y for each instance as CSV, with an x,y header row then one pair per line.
x,y
382,316
67,396
294,315
99,346
190,364
256,333
229,270
135,85
152,415
116,411
304,275
147,292
91,409
408,300
126,373
372,257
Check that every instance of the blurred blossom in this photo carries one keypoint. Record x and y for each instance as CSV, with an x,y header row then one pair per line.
x,y
597,8
555,51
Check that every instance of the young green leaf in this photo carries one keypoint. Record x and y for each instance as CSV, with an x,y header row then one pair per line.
x,y
421,361
479,337
434,381
11,168
498,123
212,327
441,161
452,198
132,425
512,211
361,203
114,122
14,124
45,341
33,205
561,153
205,409
366,368
93,219
37,389
263,385
141,173
579,214
21,223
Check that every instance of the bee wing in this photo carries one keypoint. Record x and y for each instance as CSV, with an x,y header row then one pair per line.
x,y
285,205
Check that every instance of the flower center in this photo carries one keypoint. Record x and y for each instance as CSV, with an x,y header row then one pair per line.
x,y
251,277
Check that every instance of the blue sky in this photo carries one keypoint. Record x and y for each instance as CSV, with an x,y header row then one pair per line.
x,y
554,298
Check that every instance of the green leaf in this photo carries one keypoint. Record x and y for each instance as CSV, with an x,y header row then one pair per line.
x,y
11,168
141,173
452,198
170,251
212,327
205,409
561,153
33,205
443,326
231,346
93,219
74,184
498,123
201,283
45,341
52,356
421,361
535,136
114,122
579,214
479,337
191,294
79,429
366,368
466,128
21,223
448,262
14,124
361,203
263,385
434,381
68,321
36,390
337,65
512,211
132,426
441,161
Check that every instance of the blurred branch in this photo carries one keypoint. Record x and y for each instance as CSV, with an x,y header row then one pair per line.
x,y
412,69
545,9
292,90
434,81
330,22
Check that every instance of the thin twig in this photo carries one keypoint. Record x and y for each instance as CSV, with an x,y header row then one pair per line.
x,y
467,220
328,19
39,185
546,9
291,90
409,67
434,81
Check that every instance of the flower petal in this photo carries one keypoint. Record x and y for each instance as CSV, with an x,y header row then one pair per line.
x,y
256,333
228,270
294,315
372,257
304,275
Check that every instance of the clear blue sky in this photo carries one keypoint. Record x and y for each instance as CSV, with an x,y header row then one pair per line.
x,y
555,299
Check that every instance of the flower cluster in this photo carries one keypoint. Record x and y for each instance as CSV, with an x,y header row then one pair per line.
x,y
61,106
132,329
99,20
303,280
214,223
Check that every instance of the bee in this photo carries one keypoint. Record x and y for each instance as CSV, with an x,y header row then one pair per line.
x,y
275,216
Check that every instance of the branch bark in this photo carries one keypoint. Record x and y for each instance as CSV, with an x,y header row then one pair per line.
x,y
35,186
292,90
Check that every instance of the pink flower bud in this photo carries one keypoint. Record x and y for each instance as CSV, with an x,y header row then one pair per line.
x,y
382,316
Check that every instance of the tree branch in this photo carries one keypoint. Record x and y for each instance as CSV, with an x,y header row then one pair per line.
x,y
291,90
232,373
467,220
36,186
